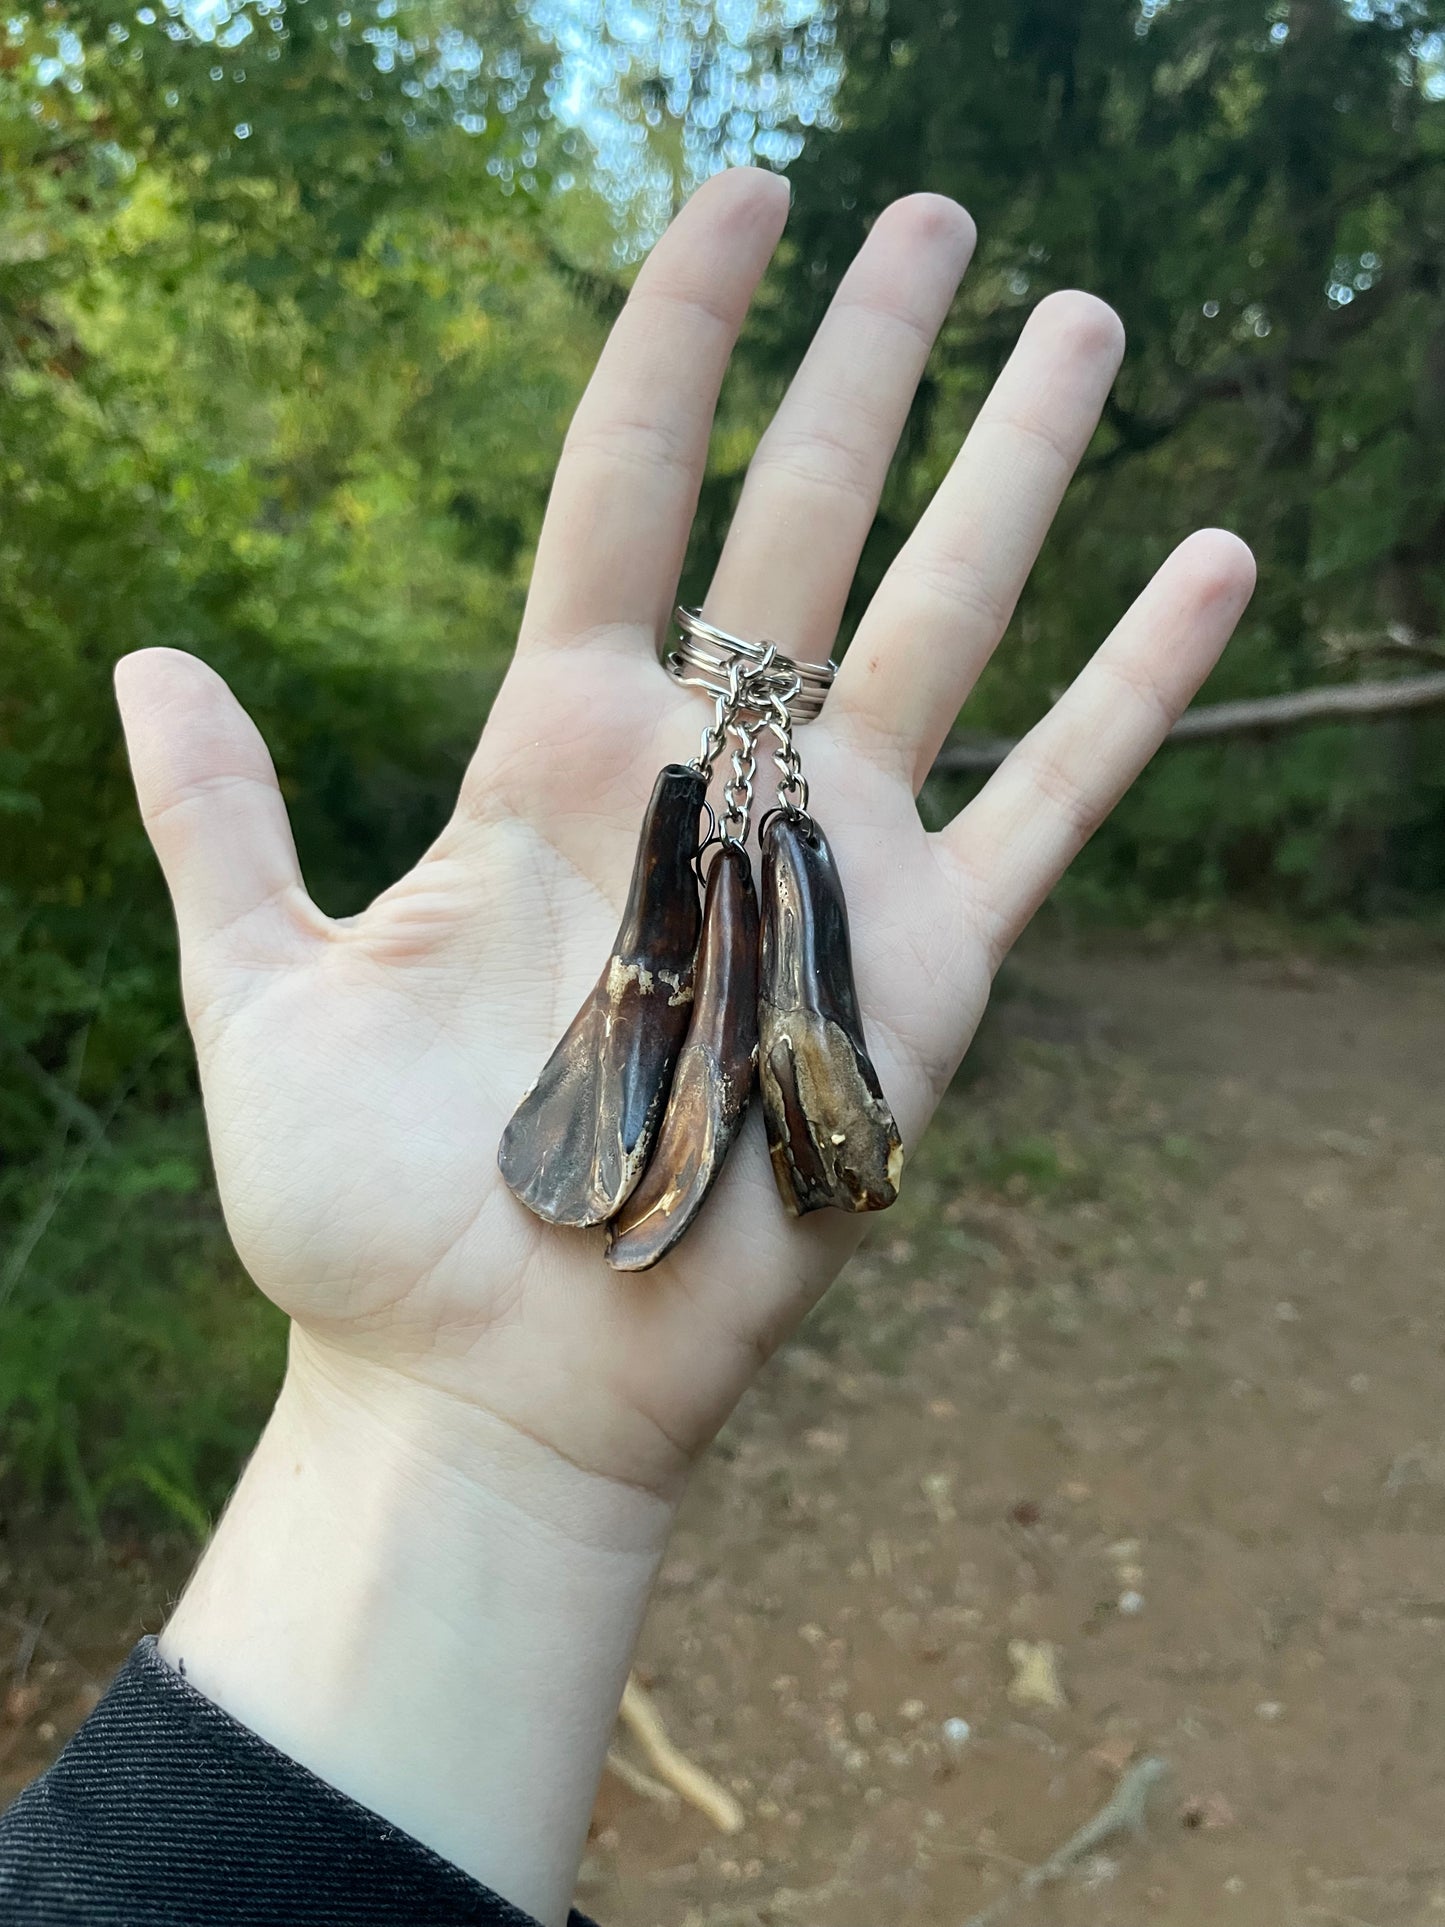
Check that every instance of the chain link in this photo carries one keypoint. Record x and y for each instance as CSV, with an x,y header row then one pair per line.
x,y
759,695
738,793
792,784
715,734
738,717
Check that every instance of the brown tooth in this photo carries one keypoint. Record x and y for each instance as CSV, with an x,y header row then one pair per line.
x,y
830,1131
578,1141
714,1077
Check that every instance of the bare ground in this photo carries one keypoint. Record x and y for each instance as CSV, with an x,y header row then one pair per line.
x,y
1147,1368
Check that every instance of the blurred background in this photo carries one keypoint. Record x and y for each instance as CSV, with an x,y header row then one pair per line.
x,y
295,299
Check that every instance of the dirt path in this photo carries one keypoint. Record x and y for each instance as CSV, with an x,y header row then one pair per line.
x,y
1148,1369
1157,1382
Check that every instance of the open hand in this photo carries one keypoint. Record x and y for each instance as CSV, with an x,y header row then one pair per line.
x,y
358,1073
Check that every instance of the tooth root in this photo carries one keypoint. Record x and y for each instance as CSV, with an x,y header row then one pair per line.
x,y
581,1137
831,1134
714,1077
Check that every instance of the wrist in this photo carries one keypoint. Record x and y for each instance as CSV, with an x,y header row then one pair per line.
x,y
430,1610
475,1471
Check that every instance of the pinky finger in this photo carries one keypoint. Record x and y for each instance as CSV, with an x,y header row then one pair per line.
x,y
1019,835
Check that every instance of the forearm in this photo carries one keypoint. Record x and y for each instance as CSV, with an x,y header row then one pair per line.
x,y
431,1612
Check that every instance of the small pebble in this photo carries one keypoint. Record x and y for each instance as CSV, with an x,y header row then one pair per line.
x,y
937,1488
1131,1601
956,1736
912,1711
21,1704
1113,1754
1269,1709
1035,1681
1210,1811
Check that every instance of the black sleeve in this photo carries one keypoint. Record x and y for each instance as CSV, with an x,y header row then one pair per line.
x,y
163,1811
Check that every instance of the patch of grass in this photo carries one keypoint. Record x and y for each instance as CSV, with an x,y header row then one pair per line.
x,y
1243,931
136,1359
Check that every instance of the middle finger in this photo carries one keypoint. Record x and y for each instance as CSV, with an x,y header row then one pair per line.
x,y
813,484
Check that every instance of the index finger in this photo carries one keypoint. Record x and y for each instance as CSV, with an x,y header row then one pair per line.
x,y
616,529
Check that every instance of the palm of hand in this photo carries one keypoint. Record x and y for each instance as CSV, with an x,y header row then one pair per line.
x,y
358,1076
358,1092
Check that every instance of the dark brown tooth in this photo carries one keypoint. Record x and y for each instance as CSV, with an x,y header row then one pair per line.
x,y
830,1131
579,1140
714,1077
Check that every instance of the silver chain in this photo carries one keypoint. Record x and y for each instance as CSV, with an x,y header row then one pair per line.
x,y
754,688
739,713
792,784
738,794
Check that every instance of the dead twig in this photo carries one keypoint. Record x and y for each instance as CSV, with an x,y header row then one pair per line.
x,y
633,1776
813,1903
1259,716
673,1768
44,1637
30,1633
1125,1812
1399,642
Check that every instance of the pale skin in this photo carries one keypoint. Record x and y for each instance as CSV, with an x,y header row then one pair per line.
x,y
428,1585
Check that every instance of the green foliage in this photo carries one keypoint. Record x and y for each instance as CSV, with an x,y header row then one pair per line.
x,y
136,1356
293,309
292,403
1260,191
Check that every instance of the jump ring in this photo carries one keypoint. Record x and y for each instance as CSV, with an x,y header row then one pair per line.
x,y
752,674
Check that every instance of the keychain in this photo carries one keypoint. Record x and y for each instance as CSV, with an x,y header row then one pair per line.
x,y
633,1115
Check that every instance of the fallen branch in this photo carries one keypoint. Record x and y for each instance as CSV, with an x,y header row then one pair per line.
x,y
632,1776
25,1650
1125,1812
673,1768
1399,642
1258,716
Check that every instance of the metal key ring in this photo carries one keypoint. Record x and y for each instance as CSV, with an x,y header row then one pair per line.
x,y
711,658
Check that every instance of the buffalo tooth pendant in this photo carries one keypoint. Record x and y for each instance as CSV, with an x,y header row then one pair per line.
x,y
579,1140
830,1132
714,1076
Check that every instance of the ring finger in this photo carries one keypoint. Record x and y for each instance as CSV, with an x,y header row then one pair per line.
x,y
946,601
